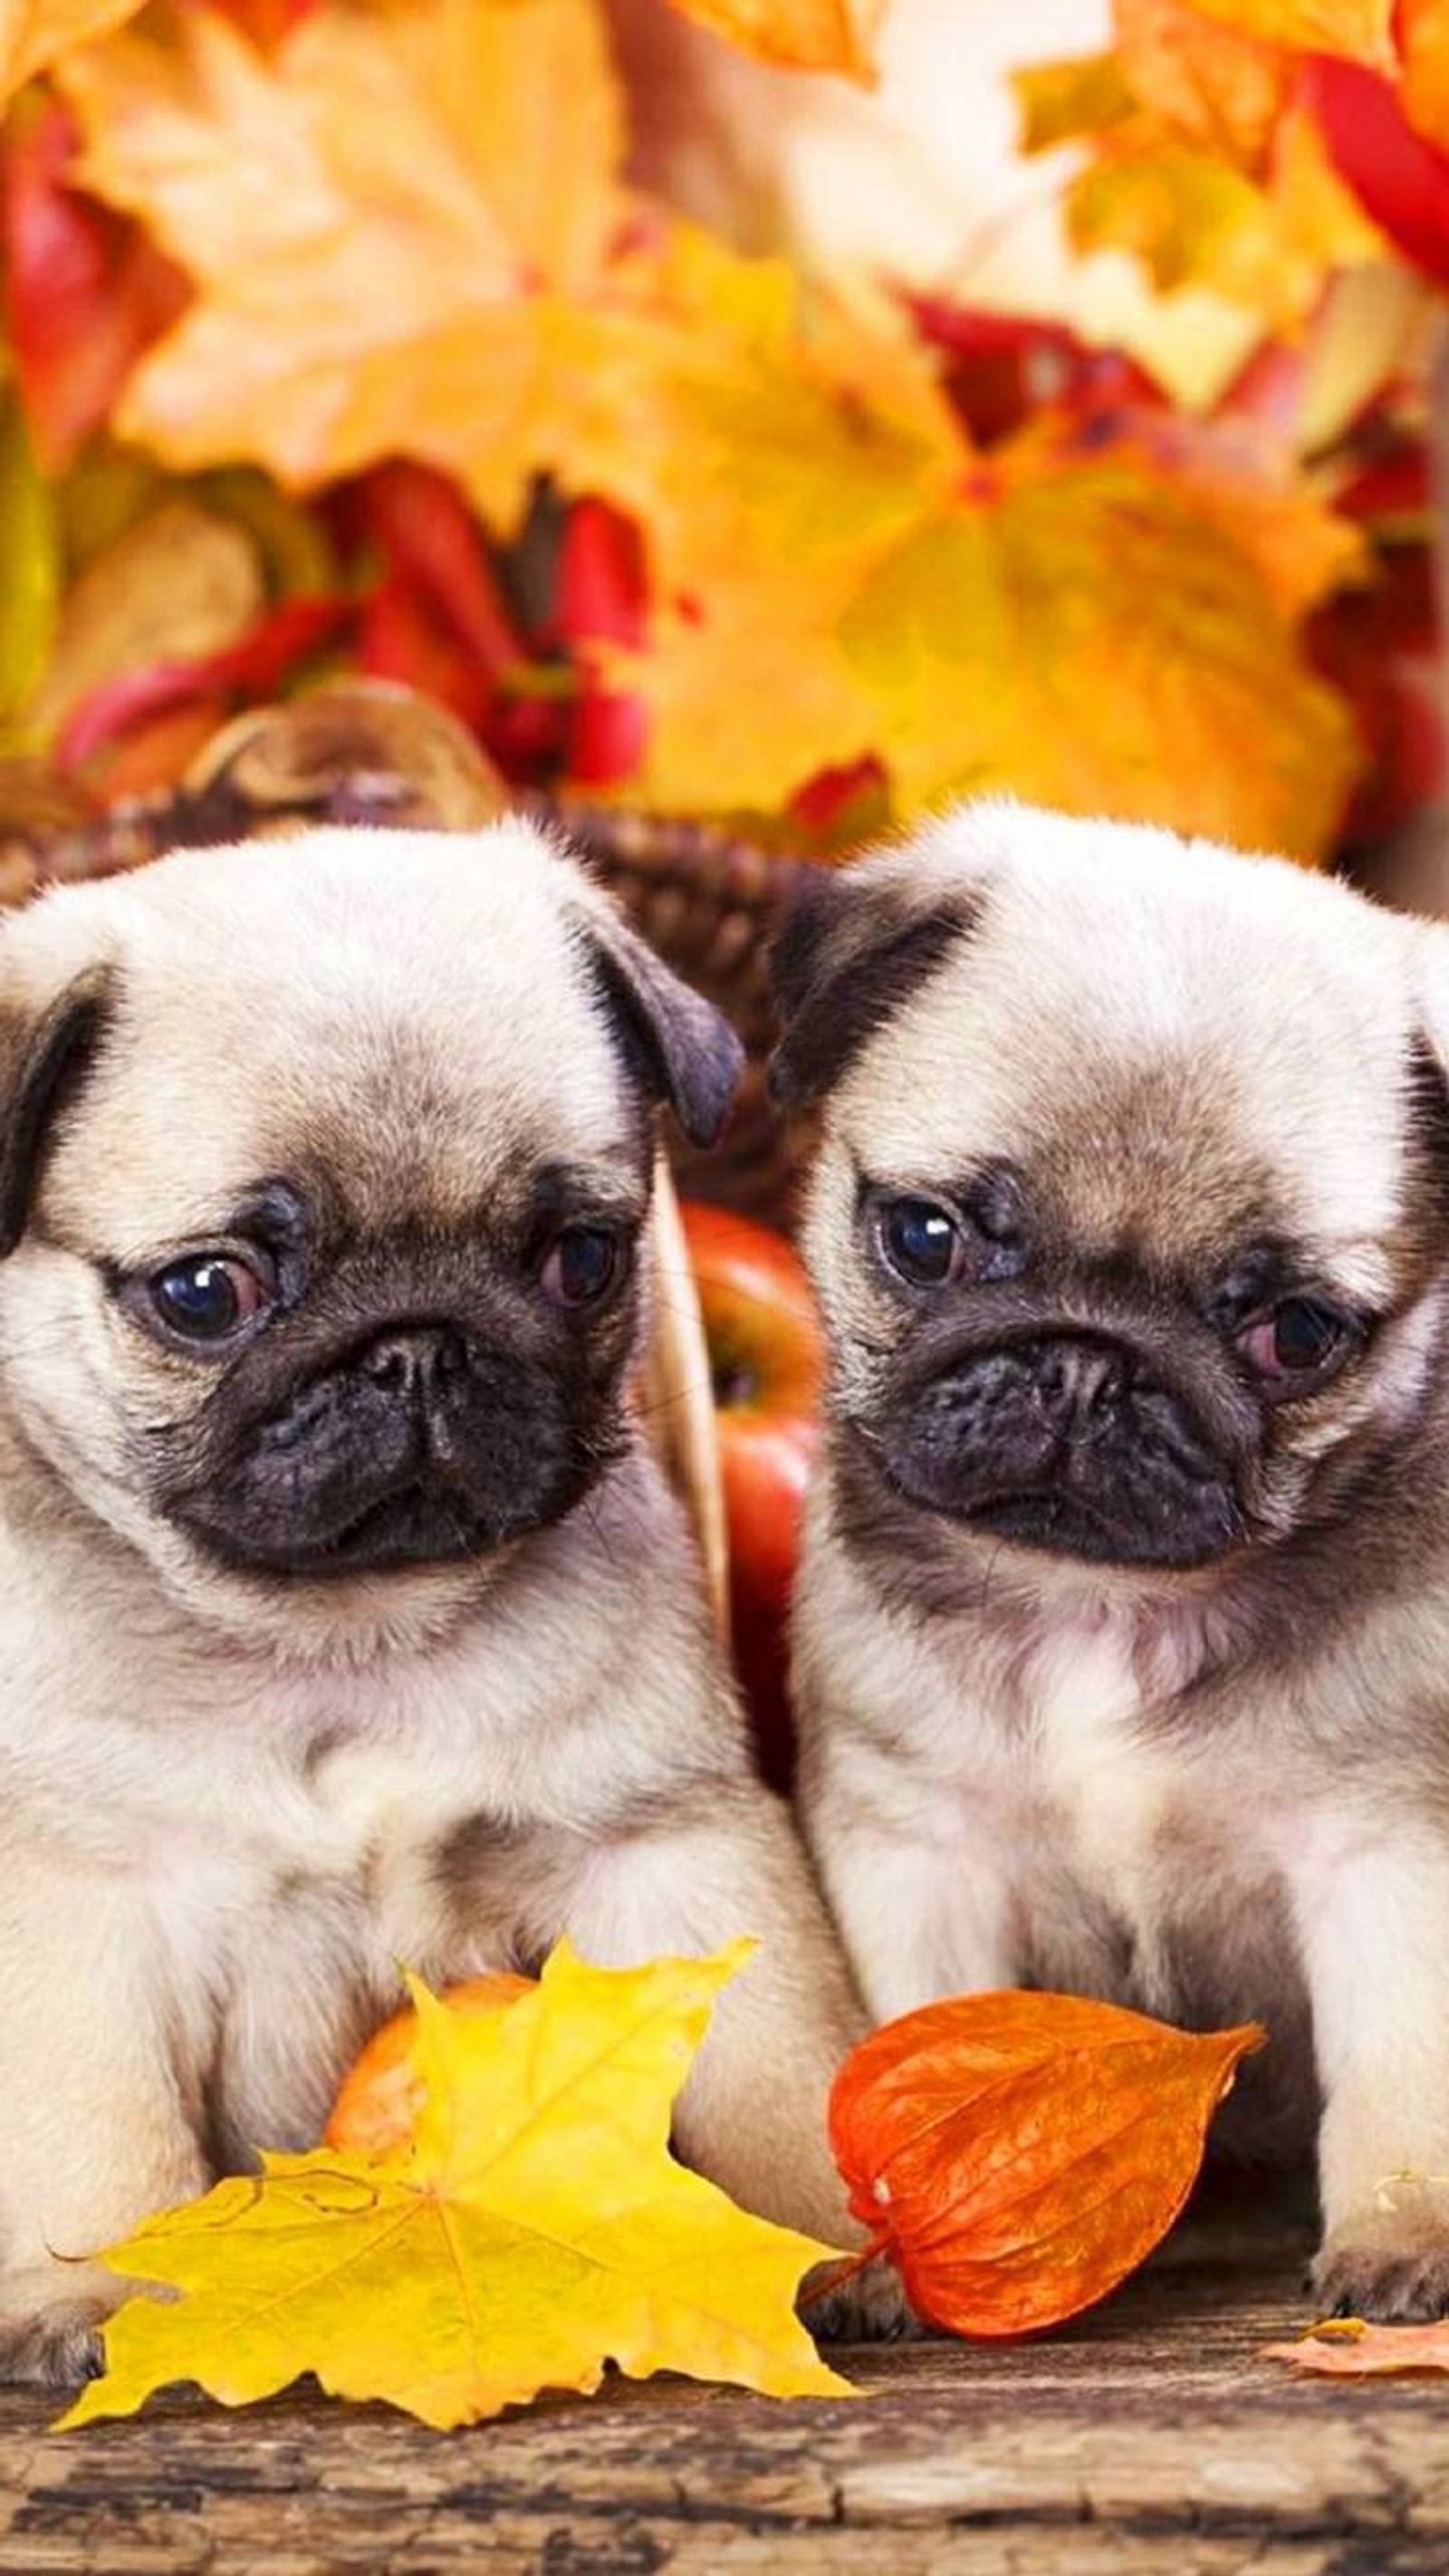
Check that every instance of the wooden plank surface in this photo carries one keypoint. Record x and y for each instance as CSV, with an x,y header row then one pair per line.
x,y
1148,2438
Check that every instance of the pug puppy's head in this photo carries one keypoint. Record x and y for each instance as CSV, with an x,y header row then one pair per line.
x,y
323,1168
1130,1214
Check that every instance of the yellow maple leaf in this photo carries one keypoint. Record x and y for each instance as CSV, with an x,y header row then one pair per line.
x,y
537,2229
1067,100
1085,633
1099,629
366,214
808,35
1195,218
34,34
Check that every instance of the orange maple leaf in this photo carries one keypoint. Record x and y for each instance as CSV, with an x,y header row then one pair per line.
x,y
1049,624
381,267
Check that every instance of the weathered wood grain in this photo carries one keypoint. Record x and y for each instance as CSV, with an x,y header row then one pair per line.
x,y
1149,2438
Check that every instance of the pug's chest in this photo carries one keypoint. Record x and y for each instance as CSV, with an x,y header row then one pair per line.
x,y
310,1961
1145,1876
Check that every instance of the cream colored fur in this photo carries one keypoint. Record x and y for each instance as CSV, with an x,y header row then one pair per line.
x,y
1154,1787
231,1804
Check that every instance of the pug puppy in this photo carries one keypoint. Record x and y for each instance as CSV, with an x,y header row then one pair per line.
x,y
345,1617
1122,1645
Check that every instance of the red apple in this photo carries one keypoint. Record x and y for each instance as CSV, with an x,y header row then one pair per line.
x,y
765,1356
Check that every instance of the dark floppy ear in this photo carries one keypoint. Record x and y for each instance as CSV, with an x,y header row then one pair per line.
x,y
855,945
681,1048
40,1054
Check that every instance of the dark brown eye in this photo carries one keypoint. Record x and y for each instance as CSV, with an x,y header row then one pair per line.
x,y
582,1265
921,1242
1297,1342
207,1296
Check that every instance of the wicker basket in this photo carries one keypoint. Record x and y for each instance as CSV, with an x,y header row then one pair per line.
x,y
367,752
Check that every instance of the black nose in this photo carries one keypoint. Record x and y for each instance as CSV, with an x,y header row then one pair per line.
x,y
1077,1378
417,1361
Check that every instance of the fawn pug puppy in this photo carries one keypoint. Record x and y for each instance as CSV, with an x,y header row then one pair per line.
x,y
1122,1646
344,1617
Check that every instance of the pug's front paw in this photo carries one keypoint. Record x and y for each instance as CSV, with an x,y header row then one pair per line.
x,y
1389,2265
56,2345
869,2306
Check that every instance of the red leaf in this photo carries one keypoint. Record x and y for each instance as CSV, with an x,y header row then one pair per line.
x,y
1401,181
526,736
1379,645
1394,484
434,547
401,637
1003,369
607,732
603,584
1017,2155
251,667
833,799
86,292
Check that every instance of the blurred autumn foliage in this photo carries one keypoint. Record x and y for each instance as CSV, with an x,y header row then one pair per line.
x,y
340,336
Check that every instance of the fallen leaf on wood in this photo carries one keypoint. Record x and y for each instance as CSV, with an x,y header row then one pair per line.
x,y
1017,2155
537,2229
1348,2348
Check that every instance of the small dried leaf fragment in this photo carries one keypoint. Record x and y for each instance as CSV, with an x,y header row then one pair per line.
x,y
1019,2154
1349,2348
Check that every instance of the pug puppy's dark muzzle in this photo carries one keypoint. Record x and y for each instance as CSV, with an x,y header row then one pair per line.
x,y
424,1444
1073,1442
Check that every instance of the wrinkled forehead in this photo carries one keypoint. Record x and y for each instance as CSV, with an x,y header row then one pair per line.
x,y
1165,1084
423,1080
